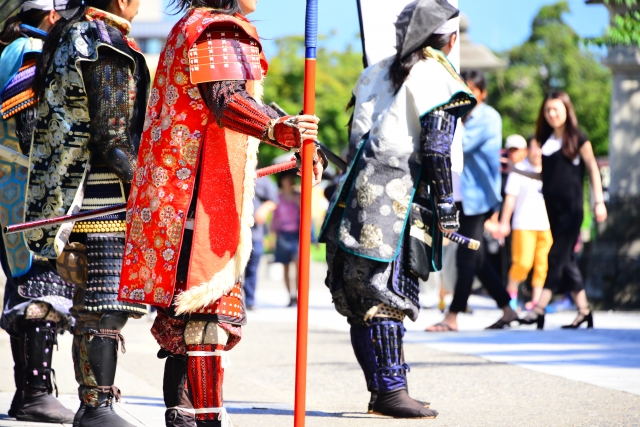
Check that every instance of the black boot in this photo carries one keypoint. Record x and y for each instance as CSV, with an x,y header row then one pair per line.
x,y
18,372
36,341
101,349
176,392
79,414
392,399
398,404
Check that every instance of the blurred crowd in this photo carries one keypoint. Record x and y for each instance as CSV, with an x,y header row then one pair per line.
x,y
501,203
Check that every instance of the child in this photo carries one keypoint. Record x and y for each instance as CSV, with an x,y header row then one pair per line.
x,y
531,239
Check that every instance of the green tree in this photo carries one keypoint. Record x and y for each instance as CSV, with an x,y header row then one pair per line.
x,y
625,28
337,72
553,58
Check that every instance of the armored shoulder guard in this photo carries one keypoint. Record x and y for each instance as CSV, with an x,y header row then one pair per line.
x,y
224,52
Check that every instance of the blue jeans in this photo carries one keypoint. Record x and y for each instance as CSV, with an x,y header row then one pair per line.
x,y
251,273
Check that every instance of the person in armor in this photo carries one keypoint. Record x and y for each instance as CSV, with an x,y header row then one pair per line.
x,y
36,299
93,84
190,211
384,225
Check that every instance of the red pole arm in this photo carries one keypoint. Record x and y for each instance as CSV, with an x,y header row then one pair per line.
x,y
304,256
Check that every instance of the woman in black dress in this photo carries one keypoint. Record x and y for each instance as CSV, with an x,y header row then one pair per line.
x,y
566,154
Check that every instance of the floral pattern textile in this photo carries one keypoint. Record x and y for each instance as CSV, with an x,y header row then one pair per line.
x,y
178,125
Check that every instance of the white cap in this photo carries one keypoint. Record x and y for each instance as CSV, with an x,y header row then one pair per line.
x,y
37,4
452,25
515,141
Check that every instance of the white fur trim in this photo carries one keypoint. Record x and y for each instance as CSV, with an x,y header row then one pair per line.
x,y
207,293
222,282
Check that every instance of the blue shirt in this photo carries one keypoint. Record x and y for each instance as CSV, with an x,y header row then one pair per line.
x,y
481,180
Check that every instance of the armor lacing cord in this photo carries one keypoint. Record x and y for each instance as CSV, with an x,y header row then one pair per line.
x,y
225,360
112,390
113,334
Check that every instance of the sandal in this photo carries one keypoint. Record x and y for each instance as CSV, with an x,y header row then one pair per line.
x,y
502,324
440,327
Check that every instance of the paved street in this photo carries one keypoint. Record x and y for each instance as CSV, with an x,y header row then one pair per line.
x,y
520,377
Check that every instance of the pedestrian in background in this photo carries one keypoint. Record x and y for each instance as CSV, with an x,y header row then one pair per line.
x,y
264,202
566,154
480,183
286,225
524,216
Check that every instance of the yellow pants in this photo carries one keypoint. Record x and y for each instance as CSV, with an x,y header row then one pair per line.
x,y
530,248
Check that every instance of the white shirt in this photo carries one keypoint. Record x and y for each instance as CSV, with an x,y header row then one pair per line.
x,y
530,212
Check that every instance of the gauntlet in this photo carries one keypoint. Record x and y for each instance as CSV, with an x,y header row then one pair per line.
x,y
436,138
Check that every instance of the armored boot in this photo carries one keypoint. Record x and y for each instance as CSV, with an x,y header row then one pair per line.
x,y
36,341
362,343
18,372
95,359
393,399
177,399
205,371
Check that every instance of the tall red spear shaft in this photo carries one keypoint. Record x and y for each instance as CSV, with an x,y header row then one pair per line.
x,y
304,257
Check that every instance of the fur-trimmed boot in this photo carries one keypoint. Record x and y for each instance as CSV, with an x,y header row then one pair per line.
x,y
35,349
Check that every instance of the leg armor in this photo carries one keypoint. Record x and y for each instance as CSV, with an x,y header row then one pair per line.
x,y
438,128
387,336
177,399
95,357
33,357
206,359
104,255
393,398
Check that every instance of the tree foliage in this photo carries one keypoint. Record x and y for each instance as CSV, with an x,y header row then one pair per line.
x,y
337,73
625,28
553,58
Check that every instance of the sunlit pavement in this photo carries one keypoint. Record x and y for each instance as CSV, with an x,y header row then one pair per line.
x,y
520,377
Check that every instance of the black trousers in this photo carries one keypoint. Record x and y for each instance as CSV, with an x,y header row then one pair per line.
x,y
471,263
563,273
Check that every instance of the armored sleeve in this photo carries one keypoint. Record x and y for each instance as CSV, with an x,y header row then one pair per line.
x,y
436,137
111,91
234,108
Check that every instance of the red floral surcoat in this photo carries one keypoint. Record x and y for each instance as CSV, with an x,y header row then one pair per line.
x,y
179,130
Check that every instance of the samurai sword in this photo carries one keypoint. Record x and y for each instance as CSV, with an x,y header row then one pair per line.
x,y
115,209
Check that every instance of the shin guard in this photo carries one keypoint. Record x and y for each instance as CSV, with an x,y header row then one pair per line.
x,y
387,342
206,360
362,343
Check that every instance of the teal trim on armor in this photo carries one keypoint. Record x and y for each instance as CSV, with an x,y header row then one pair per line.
x,y
434,224
338,193
466,109
404,225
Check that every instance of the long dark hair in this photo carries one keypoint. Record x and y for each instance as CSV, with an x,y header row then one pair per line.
x,y
11,30
400,68
52,42
571,131
224,6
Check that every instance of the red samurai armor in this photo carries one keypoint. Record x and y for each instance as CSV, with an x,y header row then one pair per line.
x,y
179,132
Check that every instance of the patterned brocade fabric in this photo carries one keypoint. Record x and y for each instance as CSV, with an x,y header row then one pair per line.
x,y
76,129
